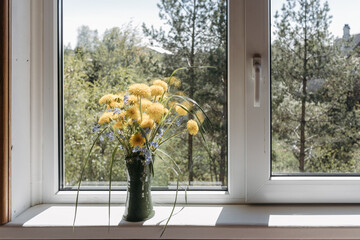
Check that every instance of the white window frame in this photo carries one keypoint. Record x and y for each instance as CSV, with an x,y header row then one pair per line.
x,y
235,192
35,168
261,186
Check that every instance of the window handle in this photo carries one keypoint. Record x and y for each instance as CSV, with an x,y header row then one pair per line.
x,y
257,76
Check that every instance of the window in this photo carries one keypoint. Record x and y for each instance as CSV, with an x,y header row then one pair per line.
x,y
262,184
50,190
315,95
108,45
249,166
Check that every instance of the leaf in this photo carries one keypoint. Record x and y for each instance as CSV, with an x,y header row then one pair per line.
x,y
173,208
110,178
82,174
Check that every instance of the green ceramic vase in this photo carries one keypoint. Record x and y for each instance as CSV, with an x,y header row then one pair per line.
x,y
138,205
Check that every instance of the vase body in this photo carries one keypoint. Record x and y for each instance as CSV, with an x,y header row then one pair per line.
x,y
138,205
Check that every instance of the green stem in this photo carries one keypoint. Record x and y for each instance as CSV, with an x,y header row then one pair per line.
x,y
172,137
82,174
110,178
169,126
173,208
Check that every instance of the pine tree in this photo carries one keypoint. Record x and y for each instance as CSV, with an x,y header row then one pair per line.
x,y
301,60
189,40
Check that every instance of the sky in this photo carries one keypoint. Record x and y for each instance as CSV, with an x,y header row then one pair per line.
x,y
343,12
104,14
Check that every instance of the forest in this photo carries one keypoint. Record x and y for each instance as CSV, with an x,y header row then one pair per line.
x,y
100,65
315,92
315,85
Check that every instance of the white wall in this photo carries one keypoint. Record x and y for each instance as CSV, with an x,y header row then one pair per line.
x,y
20,106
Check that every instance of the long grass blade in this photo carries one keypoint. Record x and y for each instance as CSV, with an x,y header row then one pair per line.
x,y
173,208
82,174
171,159
110,180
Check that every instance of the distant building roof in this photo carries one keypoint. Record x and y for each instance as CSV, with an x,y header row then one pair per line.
x,y
348,42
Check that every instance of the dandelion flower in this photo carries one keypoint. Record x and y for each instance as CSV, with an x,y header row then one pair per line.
x,y
137,140
130,122
133,112
119,98
175,81
132,99
156,90
118,125
180,93
119,116
106,117
147,123
140,90
145,103
192,127
180,111
161,83
187,105
106,99
172,104
156,111
114,104
166,111
200,116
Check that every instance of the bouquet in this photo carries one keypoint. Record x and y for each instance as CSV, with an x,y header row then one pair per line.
x,y
141,120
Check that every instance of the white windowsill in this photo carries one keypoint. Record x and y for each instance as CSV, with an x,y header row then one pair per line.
x,y
192,222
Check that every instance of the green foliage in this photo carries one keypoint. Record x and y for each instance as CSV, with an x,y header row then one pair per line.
x,y
197,36
315,93
97,66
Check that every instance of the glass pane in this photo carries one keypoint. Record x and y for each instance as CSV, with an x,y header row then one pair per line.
x,y
315,87
110,44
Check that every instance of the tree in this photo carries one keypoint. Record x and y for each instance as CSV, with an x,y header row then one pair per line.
x,y
315,91
301,54
194,44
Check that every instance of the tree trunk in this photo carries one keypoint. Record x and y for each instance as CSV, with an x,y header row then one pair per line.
x,y
223,149
191,92
303,104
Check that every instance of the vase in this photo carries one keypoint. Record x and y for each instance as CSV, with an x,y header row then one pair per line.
x,y
138,205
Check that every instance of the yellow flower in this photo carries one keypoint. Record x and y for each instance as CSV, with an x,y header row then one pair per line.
x,y
187,105
106,99
147,123
175,81
156,111
119,98
161,83
172,104
166,111
180,111
192,127
114,104
137,140
119,116
145,103
156,90
180,93
133,112
118,125
200,116
130,122
140,90
106,117
132,99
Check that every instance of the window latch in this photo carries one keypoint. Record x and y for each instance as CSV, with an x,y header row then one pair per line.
x,y
257,75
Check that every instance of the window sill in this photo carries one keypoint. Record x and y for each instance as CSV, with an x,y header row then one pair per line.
x,y
192,222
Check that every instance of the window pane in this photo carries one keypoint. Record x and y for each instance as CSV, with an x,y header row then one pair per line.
x,y
315,87
110,44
